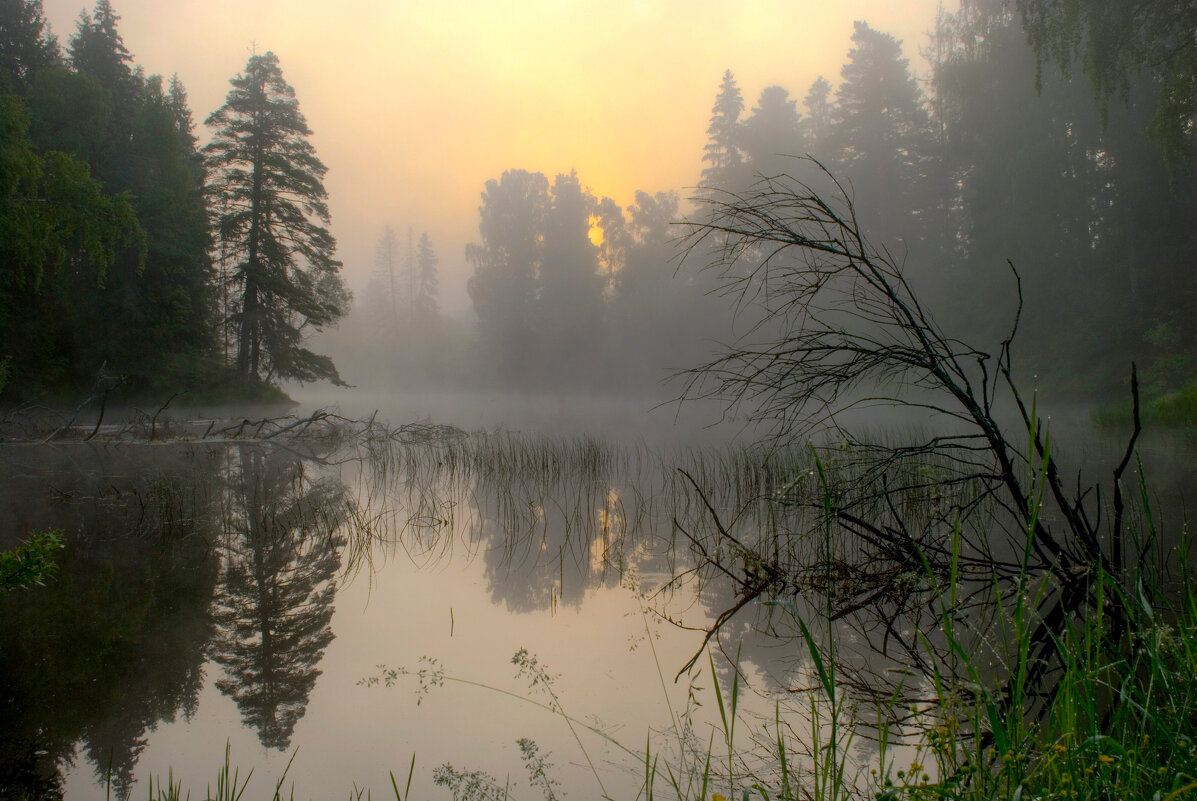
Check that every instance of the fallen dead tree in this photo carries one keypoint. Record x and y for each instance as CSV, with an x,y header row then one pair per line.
x,y
32,424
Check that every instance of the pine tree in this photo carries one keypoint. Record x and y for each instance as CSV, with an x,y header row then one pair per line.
x,y
26,47
176,98
386,280
280,556
97,49
819,114
773,133
882,130
429,284
722,153
267,183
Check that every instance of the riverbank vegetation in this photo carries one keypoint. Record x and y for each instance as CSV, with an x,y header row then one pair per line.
x,y
116,279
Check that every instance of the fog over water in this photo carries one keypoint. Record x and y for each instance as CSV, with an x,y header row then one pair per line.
x,y
535,368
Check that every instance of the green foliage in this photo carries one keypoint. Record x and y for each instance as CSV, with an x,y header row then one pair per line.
x,y
469,785
1079,201
52,209
32,562
1115,43
103,218
61,237
1118,725
26,46
1177,409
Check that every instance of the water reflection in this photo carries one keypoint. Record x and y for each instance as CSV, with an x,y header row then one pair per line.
x,y
192,572
115,645
176,558
279,550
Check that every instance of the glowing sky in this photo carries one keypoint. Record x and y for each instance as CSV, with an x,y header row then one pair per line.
x,y
414,105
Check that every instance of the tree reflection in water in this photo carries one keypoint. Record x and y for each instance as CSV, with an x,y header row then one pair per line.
x,y
114,645
280,551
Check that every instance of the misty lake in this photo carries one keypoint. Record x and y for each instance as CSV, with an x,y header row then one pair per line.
x,y
258,593
328,610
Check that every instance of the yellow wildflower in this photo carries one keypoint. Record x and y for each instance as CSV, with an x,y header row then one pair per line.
x,y
1105,759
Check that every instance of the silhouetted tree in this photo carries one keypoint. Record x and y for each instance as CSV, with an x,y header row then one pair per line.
x,y
97,49
386,283
570,287
506,265
266,182
772,133
429,283
881,130
722,152
820,114
662,319
176,99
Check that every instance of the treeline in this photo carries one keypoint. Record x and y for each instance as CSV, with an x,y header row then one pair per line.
x,y
1004,156
1008,152
134,261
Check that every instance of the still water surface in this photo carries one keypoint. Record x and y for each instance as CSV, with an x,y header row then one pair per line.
x,y
247,593
241,593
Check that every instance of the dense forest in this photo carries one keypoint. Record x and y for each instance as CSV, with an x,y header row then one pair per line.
x,y
135,261
1045,136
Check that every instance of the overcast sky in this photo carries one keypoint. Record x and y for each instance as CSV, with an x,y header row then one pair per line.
x,y
414,105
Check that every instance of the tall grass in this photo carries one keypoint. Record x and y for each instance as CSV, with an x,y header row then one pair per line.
x,y
1116,720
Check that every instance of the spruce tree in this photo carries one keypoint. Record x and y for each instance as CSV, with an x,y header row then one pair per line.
x,y
426,261
820,112
722,153
98,50
773,133
26,46
267,183
882,131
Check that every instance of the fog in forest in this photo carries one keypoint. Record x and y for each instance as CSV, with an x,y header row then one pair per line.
x,y
417,251
336,339
990,176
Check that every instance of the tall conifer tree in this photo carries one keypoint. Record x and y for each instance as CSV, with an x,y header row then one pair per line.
x,y
426,262
882,130
722,152
268,183
26,46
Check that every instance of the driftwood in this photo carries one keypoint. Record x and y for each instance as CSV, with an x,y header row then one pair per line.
x,y
30,423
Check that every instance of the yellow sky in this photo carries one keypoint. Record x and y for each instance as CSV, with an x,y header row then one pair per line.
x,y
414,105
